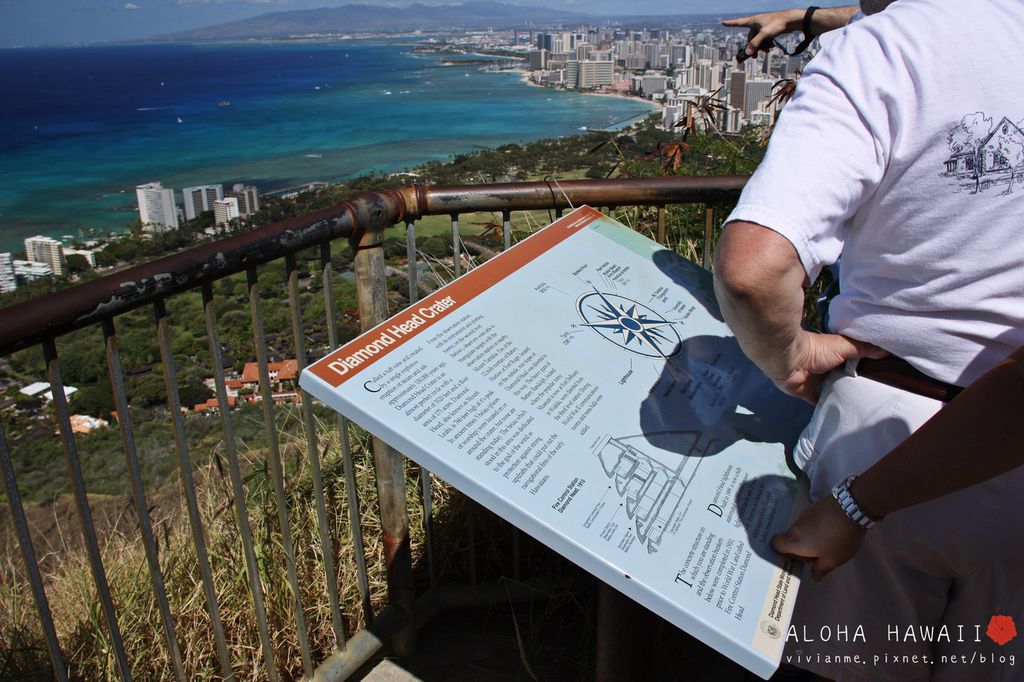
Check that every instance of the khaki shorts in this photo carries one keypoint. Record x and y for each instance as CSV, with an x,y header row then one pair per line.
x,y
929,579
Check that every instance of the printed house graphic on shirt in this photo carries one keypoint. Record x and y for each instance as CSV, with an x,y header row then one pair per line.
x,y
1000,151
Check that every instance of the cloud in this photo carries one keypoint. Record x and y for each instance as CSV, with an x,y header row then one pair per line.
x,y
130,5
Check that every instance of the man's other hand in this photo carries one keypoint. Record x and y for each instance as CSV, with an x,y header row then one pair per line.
x,y
763,28
823,535
815,355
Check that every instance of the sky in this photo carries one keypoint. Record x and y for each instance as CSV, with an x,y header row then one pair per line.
x,y
61,22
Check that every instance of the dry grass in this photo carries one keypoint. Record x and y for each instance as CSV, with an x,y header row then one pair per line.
x,y
75,605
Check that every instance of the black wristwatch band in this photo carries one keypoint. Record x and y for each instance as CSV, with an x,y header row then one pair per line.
x,y
808,36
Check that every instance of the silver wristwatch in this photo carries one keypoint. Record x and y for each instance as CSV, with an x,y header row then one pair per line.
x,y
841,492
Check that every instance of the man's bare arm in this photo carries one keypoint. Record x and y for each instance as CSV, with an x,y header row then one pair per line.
x,y
759,284
763,28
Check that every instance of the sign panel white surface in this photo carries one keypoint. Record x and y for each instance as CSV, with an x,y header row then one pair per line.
x,y
583,386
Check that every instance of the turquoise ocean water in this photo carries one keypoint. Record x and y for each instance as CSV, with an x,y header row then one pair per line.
x,y
80,127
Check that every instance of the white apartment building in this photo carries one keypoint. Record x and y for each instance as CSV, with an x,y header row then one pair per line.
x,y
670,115
157,209
26,270
652,83
8,282
201,198
225,210
47,250
248,199
589,74
756,95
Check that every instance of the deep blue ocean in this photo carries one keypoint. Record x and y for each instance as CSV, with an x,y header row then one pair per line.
x,y
80,127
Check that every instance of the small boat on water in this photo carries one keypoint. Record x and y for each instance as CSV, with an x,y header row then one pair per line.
x,y
179,119
223,103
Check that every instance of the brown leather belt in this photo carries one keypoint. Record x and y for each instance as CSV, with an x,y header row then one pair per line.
x,y
898,373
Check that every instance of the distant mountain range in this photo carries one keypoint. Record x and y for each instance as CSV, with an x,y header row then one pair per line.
x,y
362,18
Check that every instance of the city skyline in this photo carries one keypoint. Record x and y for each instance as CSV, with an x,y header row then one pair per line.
x,y
63,22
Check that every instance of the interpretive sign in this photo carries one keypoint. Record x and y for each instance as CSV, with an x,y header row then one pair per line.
x,y
583,386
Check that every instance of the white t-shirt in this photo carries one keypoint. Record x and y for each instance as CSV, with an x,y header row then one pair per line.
x,y
876,159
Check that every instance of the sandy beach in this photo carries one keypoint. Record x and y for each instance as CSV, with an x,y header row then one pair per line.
x,y
524,76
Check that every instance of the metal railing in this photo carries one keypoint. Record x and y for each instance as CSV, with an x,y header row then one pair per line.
x,y
361,220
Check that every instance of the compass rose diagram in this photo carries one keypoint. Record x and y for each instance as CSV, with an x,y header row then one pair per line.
x,y
628,324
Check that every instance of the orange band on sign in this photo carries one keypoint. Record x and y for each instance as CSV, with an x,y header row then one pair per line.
x,y
360,353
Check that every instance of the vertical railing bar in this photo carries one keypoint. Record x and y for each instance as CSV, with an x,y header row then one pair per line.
x,y
312,449
410,257
558,212
28,552
456,246
74,467
274,459
709,226
188,485
355,519
662,235
351,493
506,228
237,488
426,487
388,463
131,457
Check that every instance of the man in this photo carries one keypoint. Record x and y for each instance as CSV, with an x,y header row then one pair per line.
x,y
898,152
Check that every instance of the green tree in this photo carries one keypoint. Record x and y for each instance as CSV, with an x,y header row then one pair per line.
x,y
77,263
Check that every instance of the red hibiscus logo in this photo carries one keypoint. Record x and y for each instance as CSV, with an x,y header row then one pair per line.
x,y
1001,629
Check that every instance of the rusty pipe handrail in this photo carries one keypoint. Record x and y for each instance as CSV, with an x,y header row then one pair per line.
x,y
29,323
656,191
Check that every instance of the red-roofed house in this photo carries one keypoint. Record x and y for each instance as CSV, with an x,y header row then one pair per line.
x,y
283,381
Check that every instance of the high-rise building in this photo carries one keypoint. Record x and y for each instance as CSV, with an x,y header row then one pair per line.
x,y
8,282
651,53
248,199
225,210
572,74
157,209
538,60
557,61
636,62
40,249
653,84
737,89
756,93
199,199
707,52
588,74
707,75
